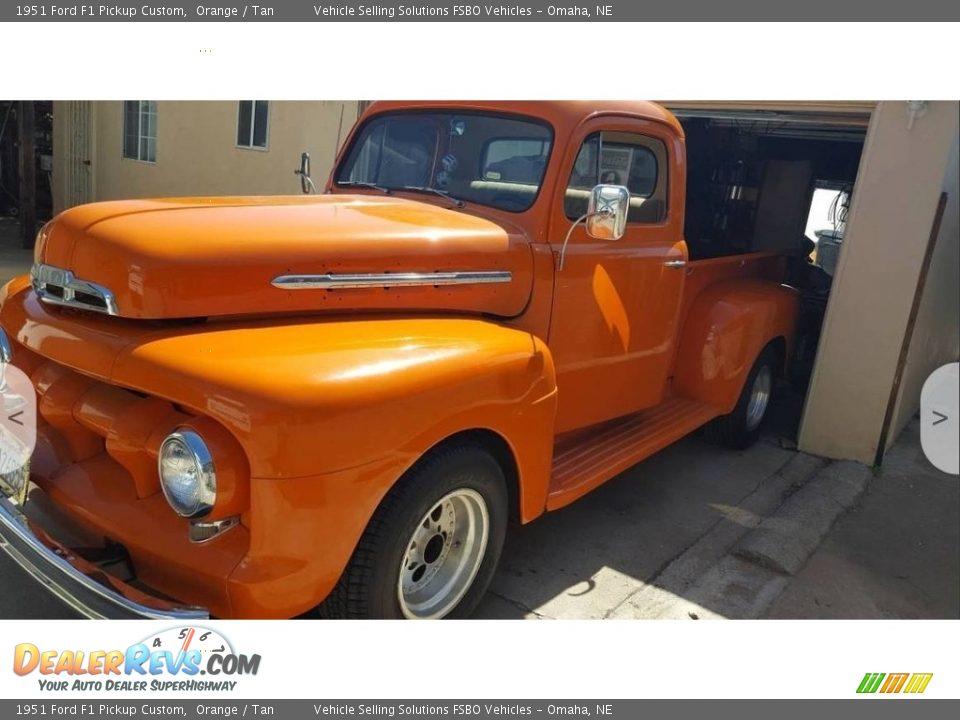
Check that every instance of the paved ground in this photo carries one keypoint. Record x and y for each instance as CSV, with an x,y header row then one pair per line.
x,y
702,532
14,260
895,555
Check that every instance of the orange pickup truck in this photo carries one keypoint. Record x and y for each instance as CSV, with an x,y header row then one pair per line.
x,y
263,406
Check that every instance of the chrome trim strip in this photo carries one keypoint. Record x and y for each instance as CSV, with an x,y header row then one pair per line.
x,y
342,281
203,532
81,592
44,276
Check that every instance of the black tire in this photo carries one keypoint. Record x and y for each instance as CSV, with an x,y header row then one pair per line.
x,y
734,430
368,587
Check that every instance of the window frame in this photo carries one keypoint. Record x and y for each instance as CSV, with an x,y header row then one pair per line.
x,y
140,136
253,116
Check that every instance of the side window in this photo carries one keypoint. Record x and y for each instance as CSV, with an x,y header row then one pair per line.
x,y
636,161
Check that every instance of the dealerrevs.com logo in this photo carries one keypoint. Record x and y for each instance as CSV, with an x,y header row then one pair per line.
x,y
179,659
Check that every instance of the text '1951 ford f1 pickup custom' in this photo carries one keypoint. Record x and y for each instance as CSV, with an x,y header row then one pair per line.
x,y
254,407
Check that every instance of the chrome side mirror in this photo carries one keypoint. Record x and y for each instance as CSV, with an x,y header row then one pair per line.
x,y
606,216
607,212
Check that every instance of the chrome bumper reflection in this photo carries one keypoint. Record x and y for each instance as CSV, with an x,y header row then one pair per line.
x,y
81,585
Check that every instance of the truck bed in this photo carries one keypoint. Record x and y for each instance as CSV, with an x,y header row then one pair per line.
x,y
768,265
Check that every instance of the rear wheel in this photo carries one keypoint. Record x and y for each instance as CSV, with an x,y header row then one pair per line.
x,y
741,428
432,546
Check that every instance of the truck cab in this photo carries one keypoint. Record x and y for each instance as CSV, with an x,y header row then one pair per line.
x,y
266,406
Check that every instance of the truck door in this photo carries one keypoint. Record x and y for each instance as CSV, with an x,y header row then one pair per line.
x,y
616,304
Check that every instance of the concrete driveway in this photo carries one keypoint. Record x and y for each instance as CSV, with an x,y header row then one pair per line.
x,y
14,259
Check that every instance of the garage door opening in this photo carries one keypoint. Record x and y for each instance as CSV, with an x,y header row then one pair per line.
x,y
775,181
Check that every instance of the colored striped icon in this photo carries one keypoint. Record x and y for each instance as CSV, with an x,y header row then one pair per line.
x,y
913,683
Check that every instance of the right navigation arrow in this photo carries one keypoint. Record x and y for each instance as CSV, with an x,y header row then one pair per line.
x,y
941,416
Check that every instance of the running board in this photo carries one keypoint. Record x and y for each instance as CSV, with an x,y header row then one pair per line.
x,y
588,459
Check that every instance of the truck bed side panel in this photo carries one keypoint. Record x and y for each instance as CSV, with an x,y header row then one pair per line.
x,y
732,308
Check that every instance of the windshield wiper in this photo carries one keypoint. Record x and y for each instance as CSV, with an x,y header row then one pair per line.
x,y
457,202
358,183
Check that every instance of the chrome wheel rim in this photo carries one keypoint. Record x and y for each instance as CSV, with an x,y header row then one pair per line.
x,y
759,397
443,555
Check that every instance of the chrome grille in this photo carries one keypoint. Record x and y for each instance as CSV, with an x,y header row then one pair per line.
x,y
57,286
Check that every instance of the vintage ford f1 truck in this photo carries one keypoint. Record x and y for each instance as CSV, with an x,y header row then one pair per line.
x,y
255,407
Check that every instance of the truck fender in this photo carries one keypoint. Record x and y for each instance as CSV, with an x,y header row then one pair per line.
x,y
332,414
726,328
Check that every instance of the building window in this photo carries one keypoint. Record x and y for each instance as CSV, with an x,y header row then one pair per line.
x,y
140,130
252,124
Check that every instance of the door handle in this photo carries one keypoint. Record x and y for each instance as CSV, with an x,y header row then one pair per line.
x,y
675,263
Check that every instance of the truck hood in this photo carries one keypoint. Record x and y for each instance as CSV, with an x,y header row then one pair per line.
x,y
202,257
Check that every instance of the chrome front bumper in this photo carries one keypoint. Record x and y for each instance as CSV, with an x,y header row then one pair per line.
x,y
83,586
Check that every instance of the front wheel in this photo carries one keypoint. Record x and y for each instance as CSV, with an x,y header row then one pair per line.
x,y
741,428
432,546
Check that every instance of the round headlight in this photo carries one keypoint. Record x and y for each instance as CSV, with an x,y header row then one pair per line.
x,y
187,475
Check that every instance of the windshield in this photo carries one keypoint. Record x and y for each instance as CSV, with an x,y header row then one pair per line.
x,y
488,159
